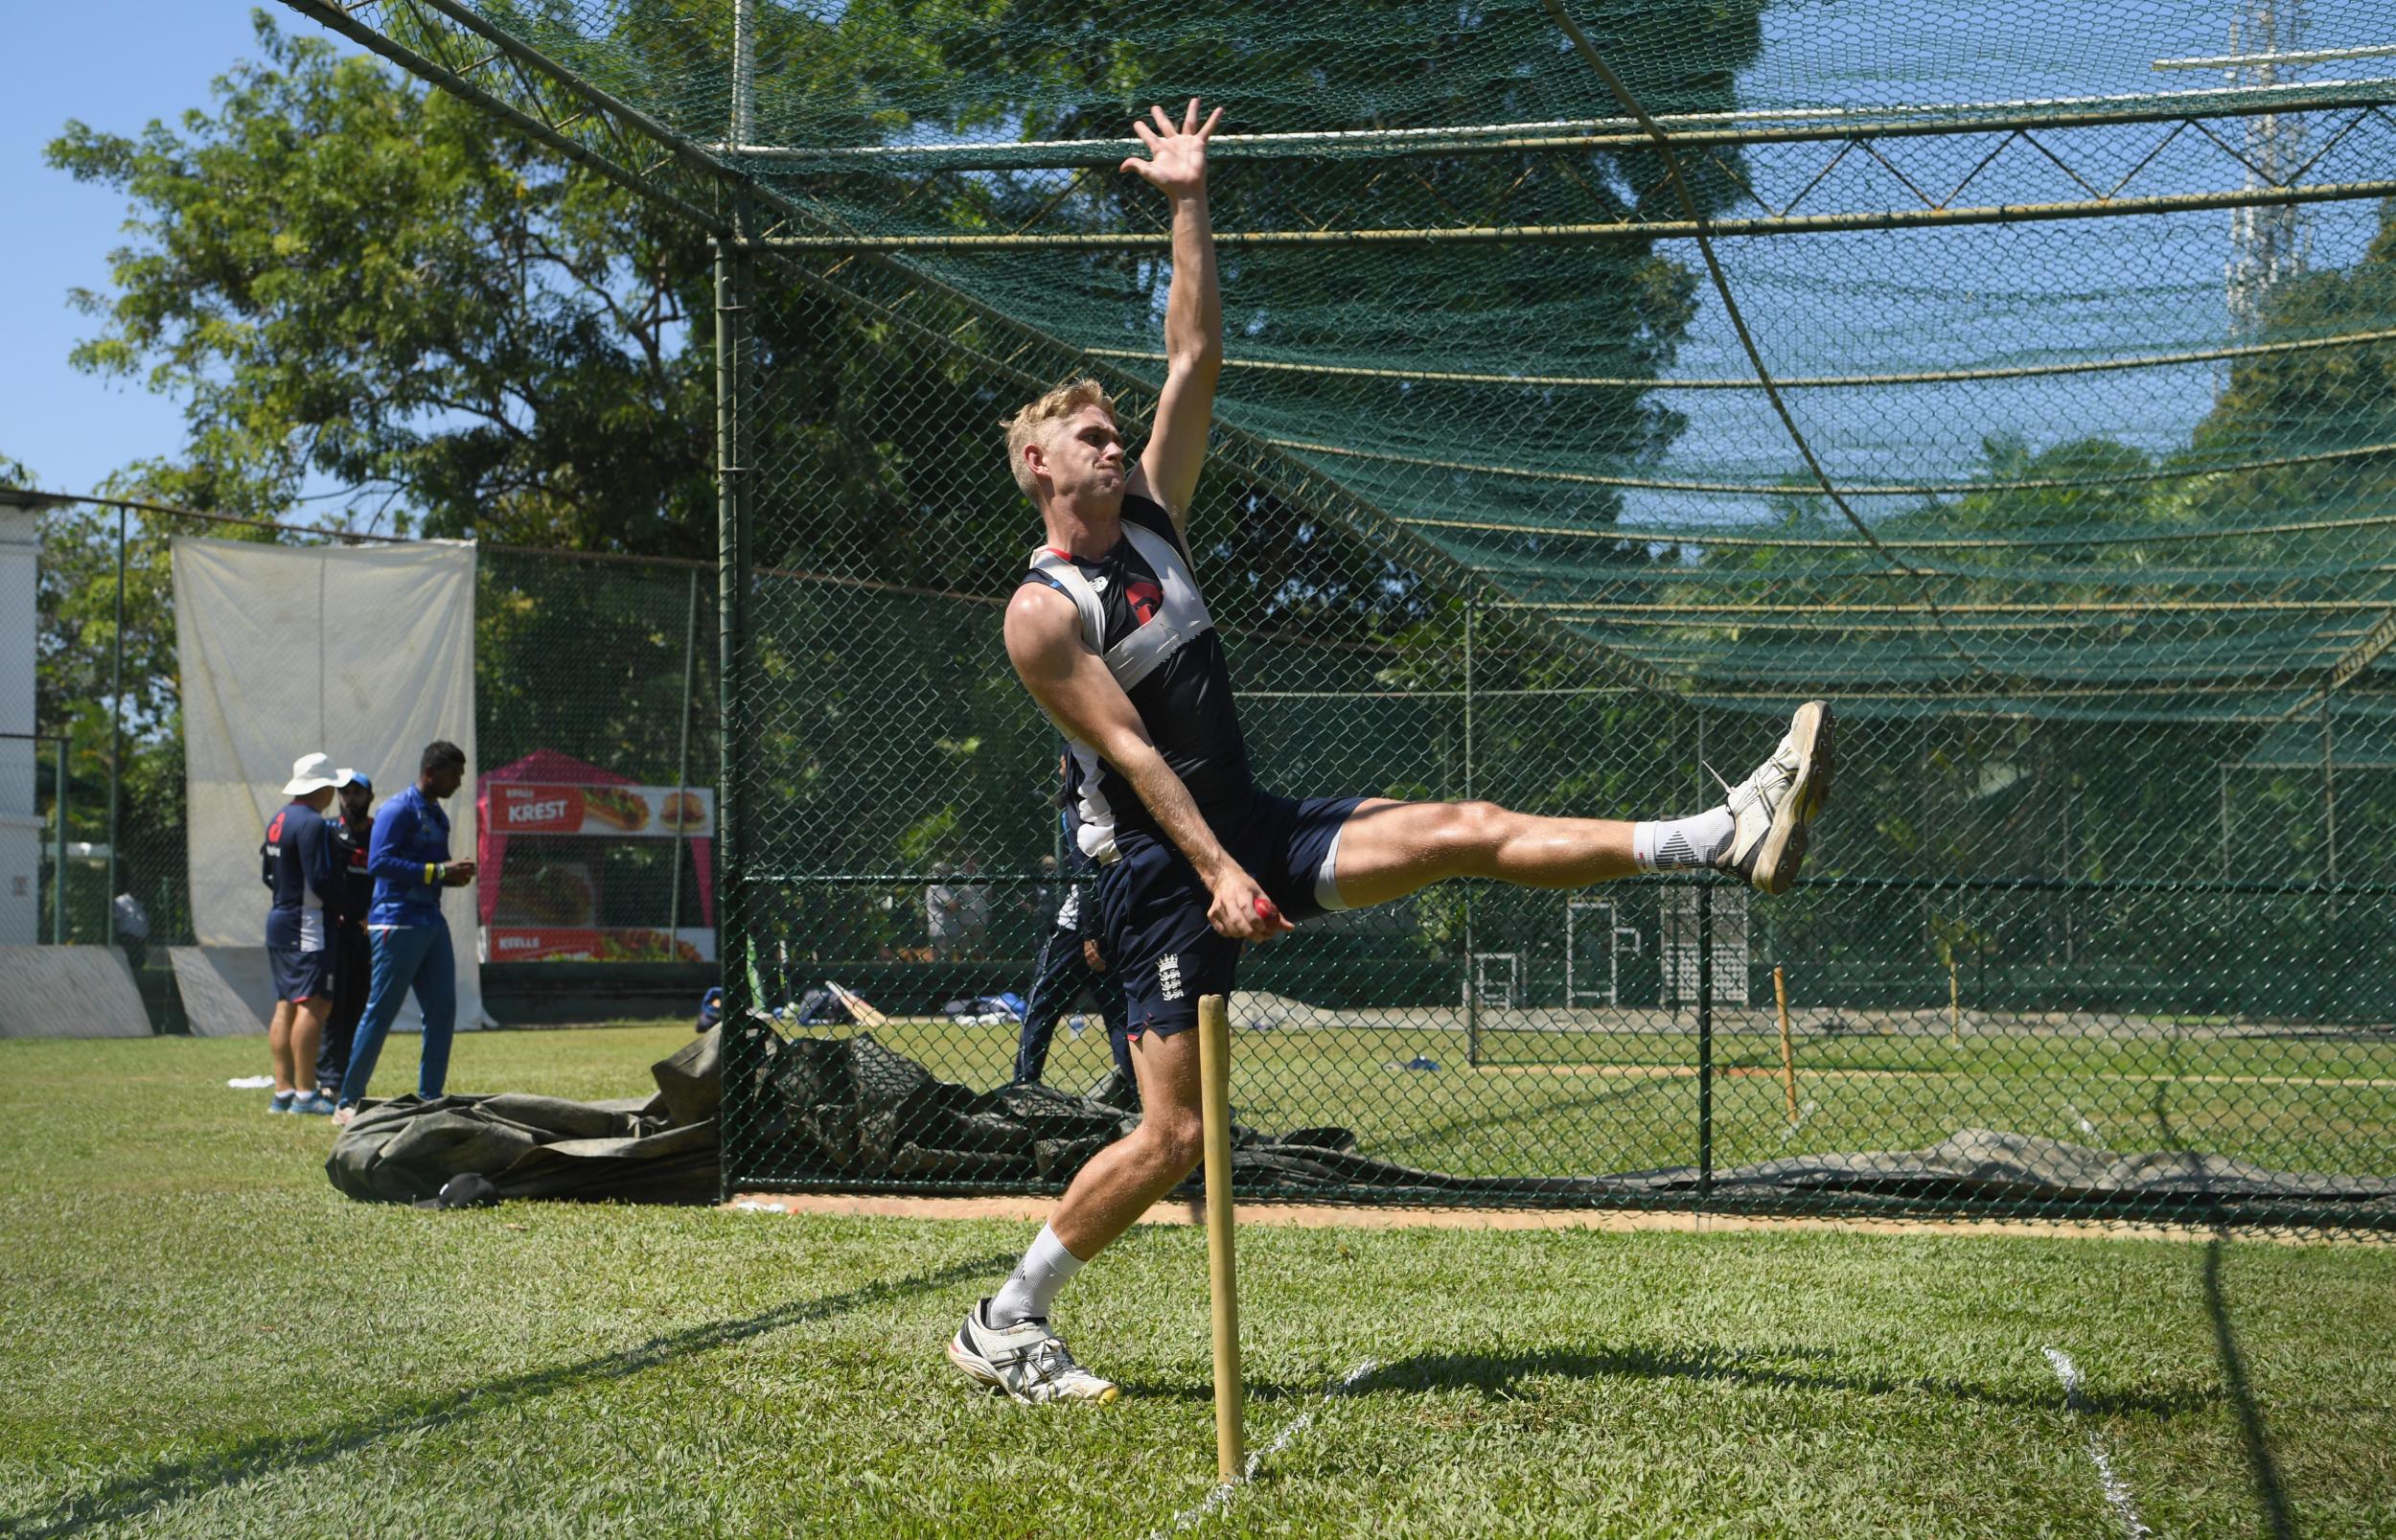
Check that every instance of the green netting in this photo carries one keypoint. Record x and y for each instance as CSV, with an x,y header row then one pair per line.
x,y
2056,448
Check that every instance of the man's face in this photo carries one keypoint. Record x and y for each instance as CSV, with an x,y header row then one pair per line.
x,y
444,781
355,801
1083,459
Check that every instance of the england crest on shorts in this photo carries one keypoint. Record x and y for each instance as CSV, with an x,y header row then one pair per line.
x,y
1169,975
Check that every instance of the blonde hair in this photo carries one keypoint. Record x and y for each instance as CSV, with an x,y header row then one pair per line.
x,y
1033,420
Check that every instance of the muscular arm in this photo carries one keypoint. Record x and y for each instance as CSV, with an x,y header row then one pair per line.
x,y
1193,317
1071,684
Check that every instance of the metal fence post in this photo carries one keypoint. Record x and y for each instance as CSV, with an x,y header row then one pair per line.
x,y
57,869
1472,982
1705,1038
116,739
681,759
2329,794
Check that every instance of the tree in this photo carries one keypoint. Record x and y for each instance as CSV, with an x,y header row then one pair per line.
x,y
348,277
2285,404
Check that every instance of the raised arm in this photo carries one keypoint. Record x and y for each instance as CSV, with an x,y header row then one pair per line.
x,y
1193,313
1071,684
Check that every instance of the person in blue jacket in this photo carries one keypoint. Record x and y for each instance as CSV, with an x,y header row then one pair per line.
x,y
409,858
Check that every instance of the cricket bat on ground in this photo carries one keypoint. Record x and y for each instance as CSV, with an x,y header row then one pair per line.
x,y
863,1014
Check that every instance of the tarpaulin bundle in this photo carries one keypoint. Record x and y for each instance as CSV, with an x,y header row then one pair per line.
x,y
659,1148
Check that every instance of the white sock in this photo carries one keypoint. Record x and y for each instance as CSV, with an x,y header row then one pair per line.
x,y
1033,1287
1682,844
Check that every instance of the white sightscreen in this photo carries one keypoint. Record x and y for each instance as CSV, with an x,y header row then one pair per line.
x,y
366,655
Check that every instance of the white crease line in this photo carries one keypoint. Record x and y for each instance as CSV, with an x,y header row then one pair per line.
x,y
2116,1490
1223,1493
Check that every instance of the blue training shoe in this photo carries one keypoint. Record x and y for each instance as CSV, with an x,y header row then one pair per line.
x,y
282,1102
315,1104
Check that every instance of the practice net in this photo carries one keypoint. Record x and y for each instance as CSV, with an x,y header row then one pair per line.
x,y
1599,381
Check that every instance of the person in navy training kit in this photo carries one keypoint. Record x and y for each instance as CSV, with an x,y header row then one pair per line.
x,y
308,896
352,959
1112,639
1070,961
409,857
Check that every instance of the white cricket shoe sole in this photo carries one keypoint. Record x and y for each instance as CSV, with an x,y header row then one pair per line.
x,y
1772,809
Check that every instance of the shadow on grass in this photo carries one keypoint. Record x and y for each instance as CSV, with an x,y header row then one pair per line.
x,y
2270,1494
127,1495
1499,1375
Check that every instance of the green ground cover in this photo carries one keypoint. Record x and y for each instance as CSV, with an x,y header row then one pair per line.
x,y
1582,1103
202,1338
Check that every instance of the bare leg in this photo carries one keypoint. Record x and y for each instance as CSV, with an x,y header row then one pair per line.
x,y
308,1033
1124,1179
279,1047
1390,849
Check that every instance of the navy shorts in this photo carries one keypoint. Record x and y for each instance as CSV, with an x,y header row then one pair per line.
x,y
301,975
1152,906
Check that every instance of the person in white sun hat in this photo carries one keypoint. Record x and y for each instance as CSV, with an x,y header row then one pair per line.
x,y
299,865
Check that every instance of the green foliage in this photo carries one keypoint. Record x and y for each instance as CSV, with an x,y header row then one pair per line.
x,y
346,276
2329,398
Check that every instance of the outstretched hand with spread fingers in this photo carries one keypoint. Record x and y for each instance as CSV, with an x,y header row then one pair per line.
x,y
1177,156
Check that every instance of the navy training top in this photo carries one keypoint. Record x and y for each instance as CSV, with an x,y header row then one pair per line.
x,y
307,879
1185,703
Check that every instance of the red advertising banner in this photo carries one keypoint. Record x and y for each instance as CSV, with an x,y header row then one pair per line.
x,y
621,812
527,943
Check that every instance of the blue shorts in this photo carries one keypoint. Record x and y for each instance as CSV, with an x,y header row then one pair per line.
x,y
1152,907
301,975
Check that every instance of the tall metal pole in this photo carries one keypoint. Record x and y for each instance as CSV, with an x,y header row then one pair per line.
x,y
1472,980
681,757
744,125
116,737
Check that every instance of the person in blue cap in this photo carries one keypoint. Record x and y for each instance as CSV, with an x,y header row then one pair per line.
x,y
409,857
352,957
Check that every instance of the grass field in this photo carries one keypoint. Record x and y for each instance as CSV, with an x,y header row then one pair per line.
x,y
1547,1103
201,1338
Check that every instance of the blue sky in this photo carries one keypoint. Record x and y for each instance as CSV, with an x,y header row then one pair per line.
x,y
115,64
118,63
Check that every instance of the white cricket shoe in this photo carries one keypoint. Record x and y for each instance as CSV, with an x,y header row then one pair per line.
x,y
1024,1361
1771,808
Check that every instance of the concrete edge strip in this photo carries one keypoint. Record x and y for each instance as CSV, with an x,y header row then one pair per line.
x,y
1341,1216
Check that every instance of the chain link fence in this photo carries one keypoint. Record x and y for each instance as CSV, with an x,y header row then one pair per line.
x,y
2038,967
1598,385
